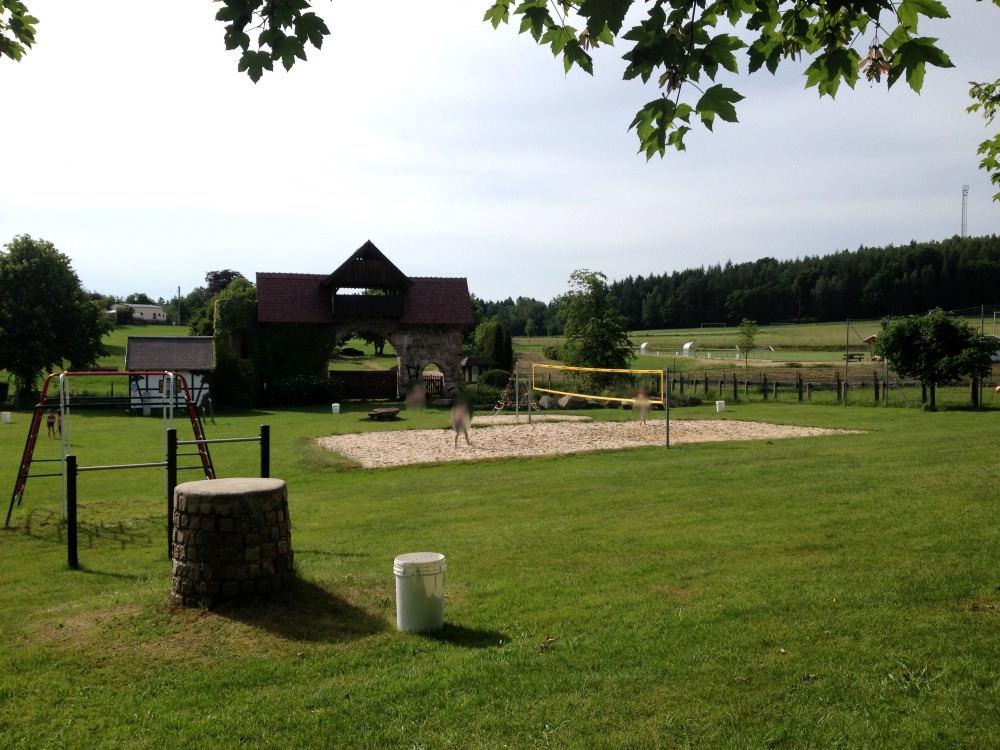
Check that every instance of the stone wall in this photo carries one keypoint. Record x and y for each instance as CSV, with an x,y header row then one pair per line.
x,y
231,539
418,346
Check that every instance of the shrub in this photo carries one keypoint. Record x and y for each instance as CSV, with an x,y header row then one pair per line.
x,y
486,394
124,315
304,389
495,378
551,352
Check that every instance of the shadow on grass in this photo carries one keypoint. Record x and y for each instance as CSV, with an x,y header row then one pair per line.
x,y
47,525
459,635
108,574
307,612
329,553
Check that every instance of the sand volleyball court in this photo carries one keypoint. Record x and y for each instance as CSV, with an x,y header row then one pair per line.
x,y
506,436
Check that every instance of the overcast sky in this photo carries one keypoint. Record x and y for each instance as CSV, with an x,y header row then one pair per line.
x,y
131,142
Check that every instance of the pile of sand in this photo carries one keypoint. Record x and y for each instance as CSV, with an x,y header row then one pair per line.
x,y
547,435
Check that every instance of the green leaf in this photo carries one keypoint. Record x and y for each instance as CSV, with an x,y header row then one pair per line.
x,y
911,58
499,12
292,49
254,63
896,38
10,48
651,124
605,12
909,12
236,39
535,19
233,10
557,37
311,27
828,69
604,37
721,49
763,52
717,100
574,54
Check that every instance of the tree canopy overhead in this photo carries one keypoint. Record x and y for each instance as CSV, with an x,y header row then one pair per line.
x,y
686,48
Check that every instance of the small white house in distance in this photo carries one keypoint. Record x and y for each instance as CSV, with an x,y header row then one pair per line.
x,y
145,313
190,356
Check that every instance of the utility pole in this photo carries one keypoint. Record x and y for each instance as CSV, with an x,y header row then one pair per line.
x,y
965,210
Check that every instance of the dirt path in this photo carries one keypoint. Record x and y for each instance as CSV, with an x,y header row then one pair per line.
x,y
505,437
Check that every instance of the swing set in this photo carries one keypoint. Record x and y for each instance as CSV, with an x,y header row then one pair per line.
x,y
172,392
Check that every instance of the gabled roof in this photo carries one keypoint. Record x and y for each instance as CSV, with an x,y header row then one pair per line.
x,y
436,301
189,353
367,268
292,298
307,298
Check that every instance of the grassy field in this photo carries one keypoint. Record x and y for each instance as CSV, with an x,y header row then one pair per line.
x,y
825,592
817,342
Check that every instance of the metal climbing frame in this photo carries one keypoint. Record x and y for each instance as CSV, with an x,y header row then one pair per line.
x,y
175,387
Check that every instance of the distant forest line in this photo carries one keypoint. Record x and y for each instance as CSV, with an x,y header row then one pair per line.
x,y
954,274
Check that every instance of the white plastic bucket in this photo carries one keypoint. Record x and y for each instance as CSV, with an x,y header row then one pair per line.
x,y
720,405
335,408
419,591
5,417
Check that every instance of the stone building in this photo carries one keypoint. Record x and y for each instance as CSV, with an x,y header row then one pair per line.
x,y
423,318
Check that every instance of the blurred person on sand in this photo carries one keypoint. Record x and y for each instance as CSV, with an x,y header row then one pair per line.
x,y
460,419
642,404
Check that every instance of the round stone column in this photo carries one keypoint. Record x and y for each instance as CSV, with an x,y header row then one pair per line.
x,y
231,540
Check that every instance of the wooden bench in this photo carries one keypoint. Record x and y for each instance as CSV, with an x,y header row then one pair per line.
x,y
383,413
858,356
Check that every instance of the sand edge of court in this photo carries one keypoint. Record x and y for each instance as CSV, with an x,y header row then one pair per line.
x,y
507,437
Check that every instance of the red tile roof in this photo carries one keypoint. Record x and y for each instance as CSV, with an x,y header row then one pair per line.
x,y
189,353
437,301
292,298
299,298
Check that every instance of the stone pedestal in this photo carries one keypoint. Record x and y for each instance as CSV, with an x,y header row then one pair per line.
x,y
231,539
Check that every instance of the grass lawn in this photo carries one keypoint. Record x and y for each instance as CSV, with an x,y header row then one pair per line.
x,y
824,592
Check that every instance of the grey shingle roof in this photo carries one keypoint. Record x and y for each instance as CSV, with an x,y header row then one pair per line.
x,y
192,353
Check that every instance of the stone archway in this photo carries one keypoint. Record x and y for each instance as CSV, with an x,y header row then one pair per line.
x,y
417,347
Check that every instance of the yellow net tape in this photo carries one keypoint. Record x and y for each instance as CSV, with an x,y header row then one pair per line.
x,y
536,387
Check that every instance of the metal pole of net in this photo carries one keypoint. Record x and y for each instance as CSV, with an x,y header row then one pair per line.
x,y
666,408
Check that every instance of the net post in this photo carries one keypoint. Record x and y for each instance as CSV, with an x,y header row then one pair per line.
x,y
171,484
71,548
531,390
666,410
265,451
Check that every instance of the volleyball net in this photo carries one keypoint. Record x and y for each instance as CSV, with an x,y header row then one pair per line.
x,y
597,383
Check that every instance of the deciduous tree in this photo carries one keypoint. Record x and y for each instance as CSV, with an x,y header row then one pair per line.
x,y
934,348
596,333
216,281
46,316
